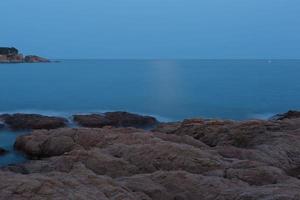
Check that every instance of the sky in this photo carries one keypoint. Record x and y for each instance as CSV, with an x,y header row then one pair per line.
x,y
145,29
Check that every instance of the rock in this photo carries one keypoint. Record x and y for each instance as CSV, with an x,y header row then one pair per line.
x,y
288,115
2,151
189,160
35,59
167,127
92,121
255,173
273,142
128,145
116,119
33,121
125,119
12,55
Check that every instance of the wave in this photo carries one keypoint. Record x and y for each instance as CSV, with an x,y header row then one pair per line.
x,y
263,116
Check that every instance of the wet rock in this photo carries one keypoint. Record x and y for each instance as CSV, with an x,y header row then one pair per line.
x,y
288,115
125,119
33,121
92,121
2,151
116,119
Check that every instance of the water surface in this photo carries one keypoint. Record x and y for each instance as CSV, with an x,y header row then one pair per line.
x,y
168,89
172,89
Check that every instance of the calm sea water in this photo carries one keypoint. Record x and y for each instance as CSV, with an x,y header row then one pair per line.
x,y
167,89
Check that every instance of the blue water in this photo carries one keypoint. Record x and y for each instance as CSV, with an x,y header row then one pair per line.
x,y
7,139
236,89
167,89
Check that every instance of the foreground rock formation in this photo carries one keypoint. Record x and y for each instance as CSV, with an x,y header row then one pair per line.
x,y
190,160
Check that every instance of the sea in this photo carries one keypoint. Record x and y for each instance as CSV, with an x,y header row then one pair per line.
x,y
170,90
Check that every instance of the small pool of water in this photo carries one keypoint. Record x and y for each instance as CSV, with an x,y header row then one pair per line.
x,y
7,140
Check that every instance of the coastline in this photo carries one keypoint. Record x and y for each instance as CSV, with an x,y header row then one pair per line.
x,y
253,157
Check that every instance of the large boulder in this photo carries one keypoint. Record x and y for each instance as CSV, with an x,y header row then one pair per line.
x,y
91,121
116,119
33,121
126,119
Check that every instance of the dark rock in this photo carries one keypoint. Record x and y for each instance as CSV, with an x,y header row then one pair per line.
x,y
91,121
288,115
35,59
116,119
125,119
2,151
33,121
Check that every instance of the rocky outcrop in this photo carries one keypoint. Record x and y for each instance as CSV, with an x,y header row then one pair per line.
x,y
11,58
92,121
35,59
116,119
288,115
189,160
32,121
12,55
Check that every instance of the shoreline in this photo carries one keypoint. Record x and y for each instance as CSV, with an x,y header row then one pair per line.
x,y
105,155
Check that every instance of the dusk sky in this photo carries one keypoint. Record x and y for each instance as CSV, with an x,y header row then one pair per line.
x,y
152,28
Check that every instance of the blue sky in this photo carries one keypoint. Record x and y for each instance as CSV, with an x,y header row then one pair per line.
x,y
153,28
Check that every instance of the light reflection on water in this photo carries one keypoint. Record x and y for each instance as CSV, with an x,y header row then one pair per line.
x,y
171,89
167,89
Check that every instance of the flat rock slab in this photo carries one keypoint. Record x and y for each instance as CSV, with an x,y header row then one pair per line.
x,y
116,119
33,121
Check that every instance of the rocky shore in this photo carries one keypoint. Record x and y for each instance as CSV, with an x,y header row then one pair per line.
x,y
108,158
20,59
12,55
